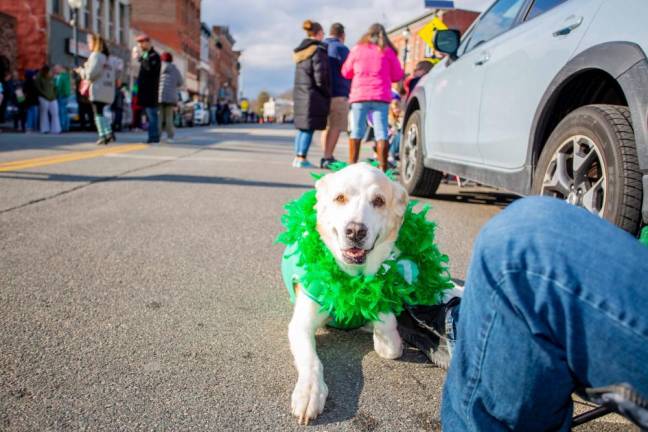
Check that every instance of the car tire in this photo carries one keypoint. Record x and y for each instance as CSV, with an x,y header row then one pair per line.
x,y
414,176
605,176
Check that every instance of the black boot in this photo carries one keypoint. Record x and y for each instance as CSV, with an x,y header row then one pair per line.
x,y
425,328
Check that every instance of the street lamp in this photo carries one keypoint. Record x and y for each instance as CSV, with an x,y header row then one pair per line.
x,y
75,6
406,36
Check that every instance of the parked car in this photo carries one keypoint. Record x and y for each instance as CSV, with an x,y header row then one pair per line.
x,y
201,114
183,115
539,97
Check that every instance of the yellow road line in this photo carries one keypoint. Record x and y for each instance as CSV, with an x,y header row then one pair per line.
x,y
68,157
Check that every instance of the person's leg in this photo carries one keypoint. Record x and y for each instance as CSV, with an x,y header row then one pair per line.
x,y
83,120
394,145
303,141
168,120
379,114
119,119
97,109
555,300
153,126
63,114
43,114
323,139
340,124
358,126
16,119
53,110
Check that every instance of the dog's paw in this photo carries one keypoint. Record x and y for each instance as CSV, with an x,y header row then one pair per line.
x,y
388,346
308,399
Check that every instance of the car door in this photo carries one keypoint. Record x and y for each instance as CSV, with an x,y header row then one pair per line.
x,y
520,66
454,88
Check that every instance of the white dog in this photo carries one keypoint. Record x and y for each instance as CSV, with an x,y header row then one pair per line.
x,y
359,215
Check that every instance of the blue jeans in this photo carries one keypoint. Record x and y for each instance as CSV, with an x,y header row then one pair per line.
x,y
153,124
378,112
32,118
64,118
394,144
555,300
303,140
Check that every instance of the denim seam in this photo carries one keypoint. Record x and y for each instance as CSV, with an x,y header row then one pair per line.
x,y
473,380
571,291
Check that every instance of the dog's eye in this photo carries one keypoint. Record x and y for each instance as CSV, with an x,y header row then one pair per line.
x,y
378,202
340,199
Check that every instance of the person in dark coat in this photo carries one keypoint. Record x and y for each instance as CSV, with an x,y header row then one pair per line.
x,y
149,84
31,100
312,90
117,107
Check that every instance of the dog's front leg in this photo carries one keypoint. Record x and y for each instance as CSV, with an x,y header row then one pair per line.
x,y
387,342
310,392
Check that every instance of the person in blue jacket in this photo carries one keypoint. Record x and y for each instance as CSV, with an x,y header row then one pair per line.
x,y
340,87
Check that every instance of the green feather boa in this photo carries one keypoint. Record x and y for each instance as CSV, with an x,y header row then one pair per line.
x,y
354,300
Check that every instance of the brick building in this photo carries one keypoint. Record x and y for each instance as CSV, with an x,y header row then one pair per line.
x,y
8,44
406,39
176,25
206,73
44,34
225,64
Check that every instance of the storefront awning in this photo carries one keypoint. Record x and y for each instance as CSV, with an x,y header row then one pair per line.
x,y
470,5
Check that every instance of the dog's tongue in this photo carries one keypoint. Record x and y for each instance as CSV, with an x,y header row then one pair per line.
x,y
355,252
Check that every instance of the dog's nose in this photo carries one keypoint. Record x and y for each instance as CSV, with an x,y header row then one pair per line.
x,y
356,231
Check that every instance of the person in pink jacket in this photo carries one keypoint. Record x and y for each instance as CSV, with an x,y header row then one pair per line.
x,y
372,67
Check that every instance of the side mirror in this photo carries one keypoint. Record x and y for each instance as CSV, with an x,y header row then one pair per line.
x,y
447,41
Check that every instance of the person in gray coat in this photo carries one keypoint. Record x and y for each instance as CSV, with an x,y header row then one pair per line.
x,y
99,75
170,81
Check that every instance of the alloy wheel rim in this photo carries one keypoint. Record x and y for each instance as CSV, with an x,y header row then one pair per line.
x,y
410,153
577,174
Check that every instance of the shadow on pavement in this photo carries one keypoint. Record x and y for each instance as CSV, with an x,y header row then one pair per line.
x,y
497,199
341,353
174,178
193,137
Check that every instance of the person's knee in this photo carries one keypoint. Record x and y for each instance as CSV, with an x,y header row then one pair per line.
x,y
525,224
529,216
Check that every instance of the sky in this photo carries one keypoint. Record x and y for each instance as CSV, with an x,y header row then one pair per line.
x,y
268,30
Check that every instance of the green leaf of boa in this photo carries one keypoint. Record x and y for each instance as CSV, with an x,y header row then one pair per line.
x,y
354,300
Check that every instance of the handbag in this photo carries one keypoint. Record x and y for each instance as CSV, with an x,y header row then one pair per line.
x,y
84,88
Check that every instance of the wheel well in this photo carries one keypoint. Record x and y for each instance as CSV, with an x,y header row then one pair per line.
x,y
592,86
412,106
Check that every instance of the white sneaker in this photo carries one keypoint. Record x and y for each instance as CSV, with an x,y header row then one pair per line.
x,y
302,163
170,140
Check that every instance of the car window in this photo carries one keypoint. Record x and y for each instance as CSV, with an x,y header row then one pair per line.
x,y
498,19
542,6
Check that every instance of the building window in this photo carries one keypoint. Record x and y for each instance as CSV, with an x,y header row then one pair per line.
x,y
122,24
100,17
57,7
111,20
87,14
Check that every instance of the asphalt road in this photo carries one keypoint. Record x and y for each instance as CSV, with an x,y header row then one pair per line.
x,y
141,291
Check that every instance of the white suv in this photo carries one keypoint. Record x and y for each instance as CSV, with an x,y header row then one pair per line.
x,y
540,96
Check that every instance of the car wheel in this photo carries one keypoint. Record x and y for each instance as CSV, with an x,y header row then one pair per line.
x,y
416,178
590,160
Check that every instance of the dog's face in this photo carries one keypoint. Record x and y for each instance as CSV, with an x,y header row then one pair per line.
x,y
359,210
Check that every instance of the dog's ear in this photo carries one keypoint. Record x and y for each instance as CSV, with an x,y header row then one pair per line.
x,y
321,187
400,198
